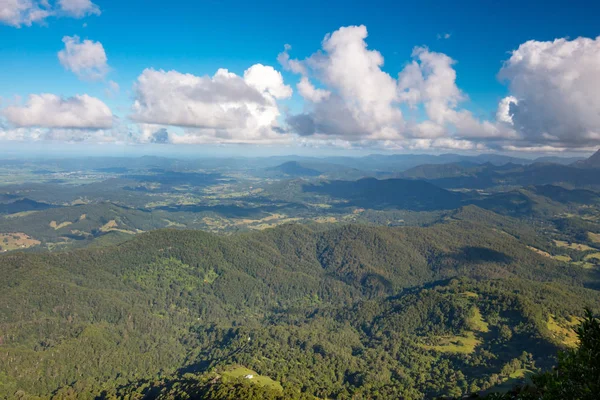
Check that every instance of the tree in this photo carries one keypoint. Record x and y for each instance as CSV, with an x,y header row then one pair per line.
x,y
577,375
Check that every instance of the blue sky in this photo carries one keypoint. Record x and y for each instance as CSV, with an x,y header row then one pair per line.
x,y
199,37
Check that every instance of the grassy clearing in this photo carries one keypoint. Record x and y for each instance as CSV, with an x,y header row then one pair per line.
x,y
56,226
520,373
584,264
562,330
235,372
573,246
20,214
325,220
173,224
593,256
476,321
540,252
563,258
16,241
594,237
520,376
270,221
108,226
465,344
112,225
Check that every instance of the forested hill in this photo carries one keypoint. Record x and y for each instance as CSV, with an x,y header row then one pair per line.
x,y
351,310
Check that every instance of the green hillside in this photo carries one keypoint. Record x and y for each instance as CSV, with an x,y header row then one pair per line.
x,y
328,313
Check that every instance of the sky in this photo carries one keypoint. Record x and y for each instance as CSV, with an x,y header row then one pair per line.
x,y
310,77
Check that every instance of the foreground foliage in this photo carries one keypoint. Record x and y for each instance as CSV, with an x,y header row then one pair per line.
x,y
576,376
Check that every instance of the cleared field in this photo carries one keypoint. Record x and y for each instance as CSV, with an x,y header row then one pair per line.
x,y
563,258
325,220
16,241
20,214
563,330
112,226
171,224
476,321
594,237
465,344
593,256
108,226
270,221
573,246
584,264
56,226
236,372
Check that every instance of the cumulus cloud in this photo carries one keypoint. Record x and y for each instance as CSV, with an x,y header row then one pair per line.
x,y
51,111
267,80
555,92
310,93
290,65
225,107
430,81
504,113
360,101
18,13
349,99
86,59
23,12
360,97
78,8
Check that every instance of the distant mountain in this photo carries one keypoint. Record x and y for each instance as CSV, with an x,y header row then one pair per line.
x,y
389,193
438,171
463,176
562,195
295,169
592,162
558,160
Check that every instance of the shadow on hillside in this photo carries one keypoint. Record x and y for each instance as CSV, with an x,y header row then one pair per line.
x,y
475,255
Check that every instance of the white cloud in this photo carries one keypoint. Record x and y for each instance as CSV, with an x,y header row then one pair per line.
x,y
112,89
362,97
504,114
267,80
444,35
78,8
349,99
86,59
557,90
23,12
310,93
430,81
360,101
51,111
442,143
18,13
224,107
290,65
